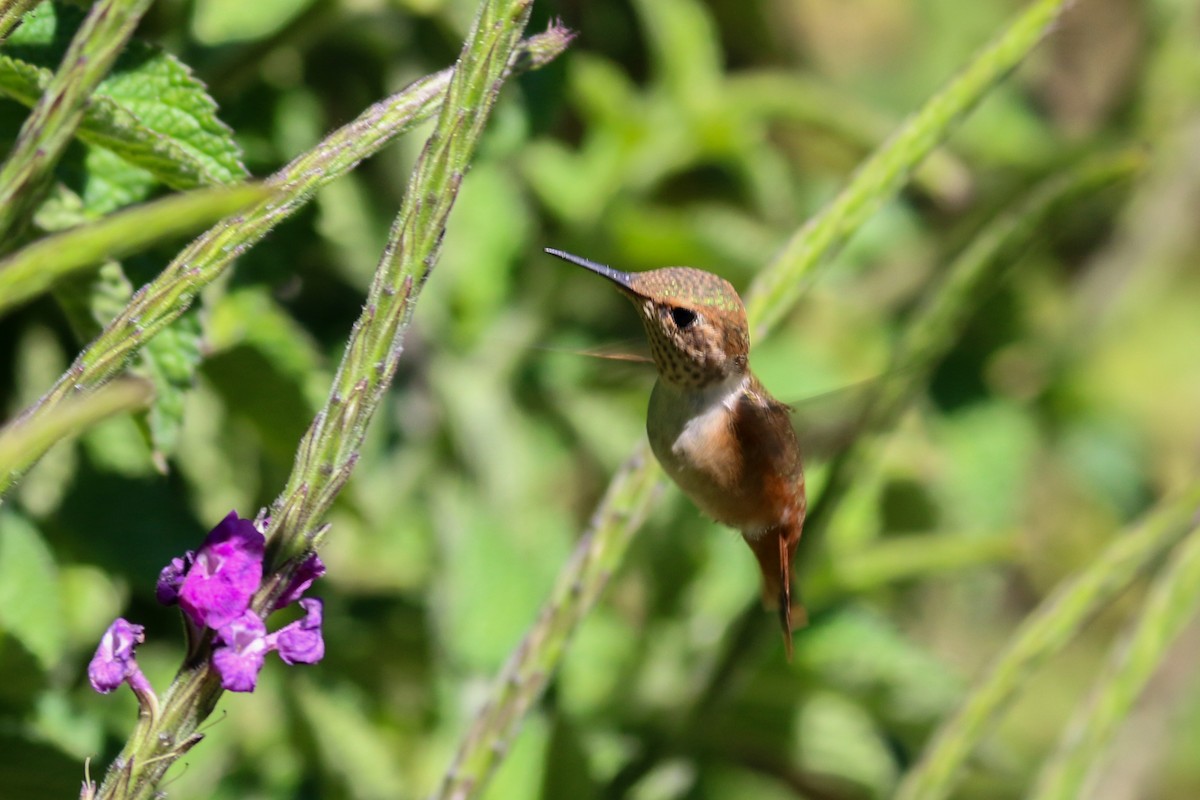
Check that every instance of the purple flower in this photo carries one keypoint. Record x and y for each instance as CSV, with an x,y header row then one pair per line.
x,y
301,642
225,574
308,571
242,645
241,648
114,663
171,578
215,584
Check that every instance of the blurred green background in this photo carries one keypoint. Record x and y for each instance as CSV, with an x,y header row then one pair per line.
x,y
672,132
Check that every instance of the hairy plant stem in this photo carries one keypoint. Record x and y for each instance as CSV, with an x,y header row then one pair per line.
x,y
1044,632
776,289
48,130
159,303
328,451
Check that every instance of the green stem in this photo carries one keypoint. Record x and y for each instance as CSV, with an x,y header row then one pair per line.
x,y
1043,633
327,453
935,326
37,266
160,302
11,12
1171,604
530,666
880,178
27,443
50,126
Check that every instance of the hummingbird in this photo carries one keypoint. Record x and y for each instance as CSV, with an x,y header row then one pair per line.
x,y
716,431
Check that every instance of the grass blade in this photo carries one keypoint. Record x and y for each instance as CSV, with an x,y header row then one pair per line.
x,y
1043,633
880,177
37,266
23,445
1172,602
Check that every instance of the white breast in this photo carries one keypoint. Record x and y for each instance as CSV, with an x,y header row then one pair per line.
x,y
682,424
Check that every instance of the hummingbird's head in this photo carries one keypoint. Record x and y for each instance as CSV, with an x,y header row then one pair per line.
x,y
694,320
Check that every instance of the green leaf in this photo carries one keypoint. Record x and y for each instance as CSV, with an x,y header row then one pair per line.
x,y
250,316
169,361
162,93
30,609
105,181
11,12
219,22
150,110
44,29
91,300
862,655
171,293
483,555
837,739
362,765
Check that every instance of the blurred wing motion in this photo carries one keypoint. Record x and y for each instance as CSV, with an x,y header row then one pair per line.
x,y
632,351
828,423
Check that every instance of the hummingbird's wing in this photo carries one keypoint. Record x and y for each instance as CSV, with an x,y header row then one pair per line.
x,y
618,352
828,423
636,351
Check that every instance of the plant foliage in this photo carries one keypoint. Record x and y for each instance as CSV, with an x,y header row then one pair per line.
x,y
978,217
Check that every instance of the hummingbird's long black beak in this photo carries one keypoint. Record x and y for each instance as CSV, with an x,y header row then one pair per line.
x,y
622,279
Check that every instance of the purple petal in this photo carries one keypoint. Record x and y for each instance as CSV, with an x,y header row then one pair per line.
x,y
308,571
114,660
301,642
241,647
226,573
171,578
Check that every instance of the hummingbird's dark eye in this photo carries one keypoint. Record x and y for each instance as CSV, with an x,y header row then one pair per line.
x,y
682,317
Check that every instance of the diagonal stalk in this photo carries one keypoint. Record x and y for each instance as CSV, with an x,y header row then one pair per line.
x,y
879,178
48,130
777,288
37,266
1170,605
160,302
329,449
327,453
1044,632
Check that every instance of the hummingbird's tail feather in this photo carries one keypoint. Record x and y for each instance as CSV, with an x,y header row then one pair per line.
x,y
774,550
785,593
